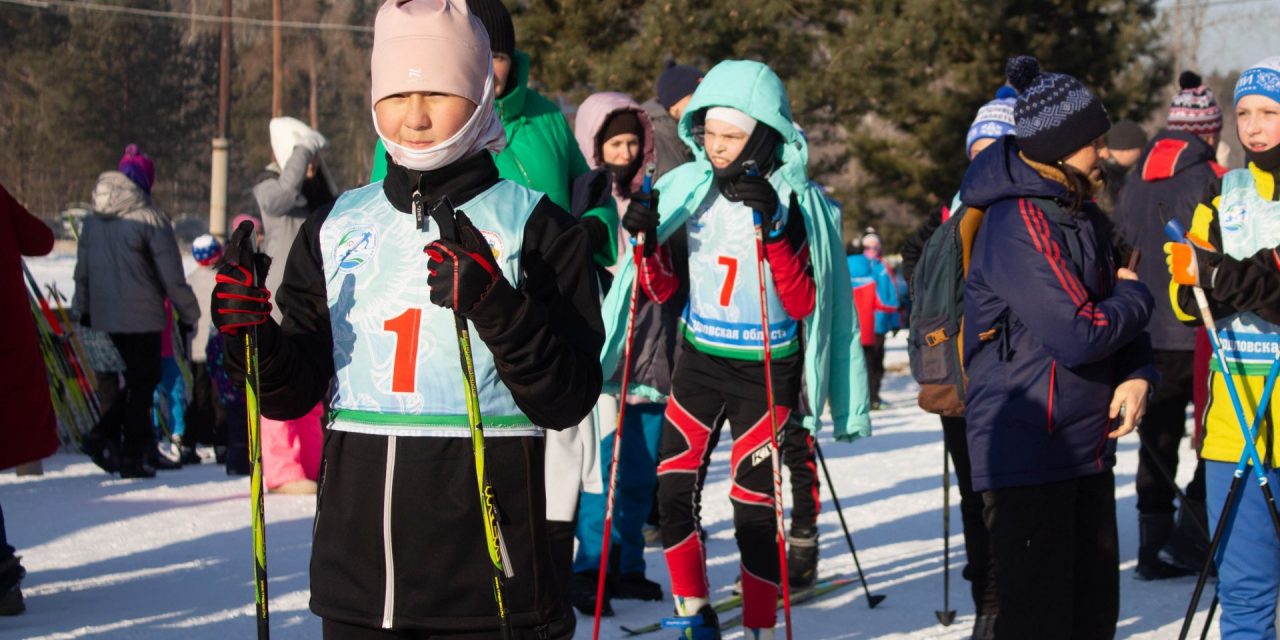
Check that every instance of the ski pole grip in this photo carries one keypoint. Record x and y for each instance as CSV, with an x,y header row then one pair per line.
x,y
646,188
1175,231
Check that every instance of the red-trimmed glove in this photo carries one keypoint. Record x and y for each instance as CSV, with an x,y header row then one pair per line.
x,y
239,304
461,272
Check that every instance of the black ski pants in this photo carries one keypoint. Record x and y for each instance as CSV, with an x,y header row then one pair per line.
x,y
874,355
1056,547
980,568
1161,434
798,454
128,420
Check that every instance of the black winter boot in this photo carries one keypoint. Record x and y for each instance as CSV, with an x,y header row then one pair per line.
x,y
582,593
1188,546
984,627
1154,529
802,558
634,586
102,452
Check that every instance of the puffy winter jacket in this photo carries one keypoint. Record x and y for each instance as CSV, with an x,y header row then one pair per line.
x,y
878,309
1049,332
671,151
1175,173
127,262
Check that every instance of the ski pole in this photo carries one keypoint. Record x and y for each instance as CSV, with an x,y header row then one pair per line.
x,y
947,615
444,215
637,243
758,219
872,601
1249,454
254,416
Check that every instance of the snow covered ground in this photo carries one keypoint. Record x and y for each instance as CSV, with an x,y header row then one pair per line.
x,y
170,557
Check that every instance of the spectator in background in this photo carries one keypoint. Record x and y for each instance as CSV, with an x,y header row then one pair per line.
x,y
1125,142
30,430
170,399
1175,173
217,412
876,298
674,89
291,449
127,266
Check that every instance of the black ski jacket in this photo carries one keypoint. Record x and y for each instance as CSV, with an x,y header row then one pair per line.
x,y
399,539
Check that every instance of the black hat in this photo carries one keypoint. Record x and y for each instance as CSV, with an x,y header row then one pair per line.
x,y
1055,114
1125,135
676,83
497,21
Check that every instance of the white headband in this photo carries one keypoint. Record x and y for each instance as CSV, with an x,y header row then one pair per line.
x,y
729,115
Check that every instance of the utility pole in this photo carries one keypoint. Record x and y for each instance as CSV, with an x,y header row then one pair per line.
x,y
277,61
221,144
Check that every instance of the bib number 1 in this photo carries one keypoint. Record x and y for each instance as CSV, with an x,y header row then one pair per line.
x,y
404,372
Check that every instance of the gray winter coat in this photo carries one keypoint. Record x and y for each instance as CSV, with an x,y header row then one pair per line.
x,y
201,281
283,209
672,151
128,263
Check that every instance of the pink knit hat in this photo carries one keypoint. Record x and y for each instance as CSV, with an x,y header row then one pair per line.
x,y
429,45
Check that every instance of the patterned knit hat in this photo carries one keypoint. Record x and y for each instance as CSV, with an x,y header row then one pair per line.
x,y
135,164
1262,79
994,119
1194,109
206,249
1055,114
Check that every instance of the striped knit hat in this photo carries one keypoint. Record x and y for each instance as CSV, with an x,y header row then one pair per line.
x,y
1194,109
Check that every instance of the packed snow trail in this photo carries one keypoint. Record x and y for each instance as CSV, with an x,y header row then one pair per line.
x,y
170,557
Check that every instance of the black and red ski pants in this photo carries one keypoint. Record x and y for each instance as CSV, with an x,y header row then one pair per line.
x,y
706,392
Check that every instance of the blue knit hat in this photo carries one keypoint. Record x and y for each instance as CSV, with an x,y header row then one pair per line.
x,y
1262,79
1055,114
994,119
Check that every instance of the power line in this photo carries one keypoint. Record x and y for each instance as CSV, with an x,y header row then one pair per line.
x,y
186,17
1212,3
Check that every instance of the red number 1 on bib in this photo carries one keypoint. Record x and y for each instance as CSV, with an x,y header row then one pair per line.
x,y
404,372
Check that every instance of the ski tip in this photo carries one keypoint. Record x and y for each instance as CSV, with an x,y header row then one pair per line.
x,y
945,617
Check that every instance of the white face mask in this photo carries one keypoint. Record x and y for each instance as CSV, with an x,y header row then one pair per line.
x,y
482,131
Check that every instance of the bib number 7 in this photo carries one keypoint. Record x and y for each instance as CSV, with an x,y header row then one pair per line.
x,y
730,278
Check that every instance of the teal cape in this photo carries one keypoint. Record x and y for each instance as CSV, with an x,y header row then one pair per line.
x,y
834,369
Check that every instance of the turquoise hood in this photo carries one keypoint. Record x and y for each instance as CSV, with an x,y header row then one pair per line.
x,y
834,372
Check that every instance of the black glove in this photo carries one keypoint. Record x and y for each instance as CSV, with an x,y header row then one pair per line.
x,y
642,217
238,302
757,193
461,272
